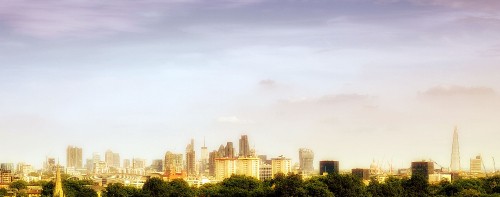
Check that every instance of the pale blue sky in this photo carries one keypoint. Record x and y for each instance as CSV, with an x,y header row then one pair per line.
x,y
352,80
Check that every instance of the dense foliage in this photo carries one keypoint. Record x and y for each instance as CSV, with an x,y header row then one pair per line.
x,y
293,185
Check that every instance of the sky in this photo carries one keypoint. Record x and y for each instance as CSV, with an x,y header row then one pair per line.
x,y
354,80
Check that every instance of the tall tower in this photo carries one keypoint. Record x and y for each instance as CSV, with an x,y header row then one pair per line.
x,y
244,148
74,157
306,157
455,153
190,159
58,191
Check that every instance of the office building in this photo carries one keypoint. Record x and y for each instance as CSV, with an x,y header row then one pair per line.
x,y
265,171
74,157
204,157
362,174
7,167
224,168
157,165
306,158
422,168
173,164
229,150
476,164
244,148
328,167
248,166
281,165
190,159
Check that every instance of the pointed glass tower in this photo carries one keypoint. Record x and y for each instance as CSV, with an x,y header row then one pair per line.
x,y
455,153
58,191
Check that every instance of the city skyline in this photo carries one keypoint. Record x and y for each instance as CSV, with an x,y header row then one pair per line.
x,y
354,81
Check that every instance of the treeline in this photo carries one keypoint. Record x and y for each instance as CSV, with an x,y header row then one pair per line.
x,y
293,185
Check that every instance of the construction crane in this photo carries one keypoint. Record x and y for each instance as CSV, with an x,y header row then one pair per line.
x,y
494,165
484,167
439,166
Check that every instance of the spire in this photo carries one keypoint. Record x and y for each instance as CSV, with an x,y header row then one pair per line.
x,y
58,191
455,153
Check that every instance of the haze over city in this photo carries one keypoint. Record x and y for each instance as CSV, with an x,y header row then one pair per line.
x,y
354,81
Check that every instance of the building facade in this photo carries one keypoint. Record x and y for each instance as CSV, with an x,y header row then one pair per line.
x,y
281,165
328,167
74,157
248,166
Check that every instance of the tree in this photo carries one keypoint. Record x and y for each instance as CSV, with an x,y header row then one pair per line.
x,y
180,188
3,191
290,185
391,187
19,185
240,185
344,185
314,187
208,189
78,188
119,190
416,186
155,187
47,189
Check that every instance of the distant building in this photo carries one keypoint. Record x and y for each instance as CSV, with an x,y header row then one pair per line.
x,y
264,160
328,167
265,172
224,168
248,166
74,157
244,148
422,168
211,162
229,150
204,157
190,159
476,164
363,174
306,158
173,164
455,153
138,163
5,176
157,165
281,165
126,163
7,166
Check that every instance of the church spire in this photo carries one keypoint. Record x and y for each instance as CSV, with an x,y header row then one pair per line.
x,y
58,191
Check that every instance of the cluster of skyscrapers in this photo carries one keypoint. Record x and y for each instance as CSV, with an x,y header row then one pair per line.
x,y
216,165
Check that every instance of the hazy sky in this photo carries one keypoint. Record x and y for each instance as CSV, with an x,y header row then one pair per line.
x,y
353,80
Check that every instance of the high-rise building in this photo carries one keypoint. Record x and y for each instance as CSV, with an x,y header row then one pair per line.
x,y
96,157
5,176
138,163
50,164
224,168
74,157
455,153
112,159
281,165
248,166
204,163
108,158
126,163
173,164
116,160
190,159
363,174
306,157
229,150
244,148
422,168
476,164
328,167
157,165
7,166
222,151
265,171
